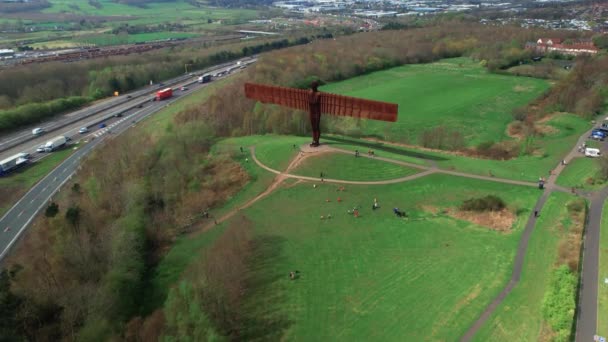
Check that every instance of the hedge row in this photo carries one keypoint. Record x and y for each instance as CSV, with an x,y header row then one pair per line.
x,y
36,112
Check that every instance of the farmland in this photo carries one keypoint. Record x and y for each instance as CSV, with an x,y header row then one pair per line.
x,y
76,23
455,93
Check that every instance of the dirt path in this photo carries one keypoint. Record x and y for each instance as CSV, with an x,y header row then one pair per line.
x,y
590,267
273,186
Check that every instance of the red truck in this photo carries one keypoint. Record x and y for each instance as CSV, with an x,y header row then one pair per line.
x,y
164,94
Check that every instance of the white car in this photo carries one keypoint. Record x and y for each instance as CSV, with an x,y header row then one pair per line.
x,y
184,88
37,131
83,130
592,152
40,149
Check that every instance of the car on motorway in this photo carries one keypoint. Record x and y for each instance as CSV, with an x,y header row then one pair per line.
x,y
83,130
118,115
37,131
184,88
102,125
40,149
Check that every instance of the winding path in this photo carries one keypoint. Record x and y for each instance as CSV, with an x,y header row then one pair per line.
x,y
587,308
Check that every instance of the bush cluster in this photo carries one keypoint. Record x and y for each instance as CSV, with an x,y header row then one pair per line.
x,y
559,302
35,112
487,203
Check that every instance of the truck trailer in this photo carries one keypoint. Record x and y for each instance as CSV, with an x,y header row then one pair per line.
x,y
12,163
204,79
164,94
55,143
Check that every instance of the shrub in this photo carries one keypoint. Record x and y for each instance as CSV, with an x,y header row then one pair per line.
x,y
576,206
51,210
559,302
487,203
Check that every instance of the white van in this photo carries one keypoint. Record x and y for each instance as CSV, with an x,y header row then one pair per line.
x,y
592,152
37,131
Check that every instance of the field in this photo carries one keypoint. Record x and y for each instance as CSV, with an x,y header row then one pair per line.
x,y
112,39
347,167
157,11
519,317
55,26
602,309
455,93
581,173
364,276
566,129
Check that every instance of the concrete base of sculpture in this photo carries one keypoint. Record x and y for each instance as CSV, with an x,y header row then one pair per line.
x,y
306,148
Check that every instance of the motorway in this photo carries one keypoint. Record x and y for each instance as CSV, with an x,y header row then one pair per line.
x,y
68,124
16,220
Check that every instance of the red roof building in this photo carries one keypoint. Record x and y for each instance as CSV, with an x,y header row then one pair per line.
x,y
576,47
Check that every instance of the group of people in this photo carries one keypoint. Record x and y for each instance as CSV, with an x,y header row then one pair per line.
x,y
399,213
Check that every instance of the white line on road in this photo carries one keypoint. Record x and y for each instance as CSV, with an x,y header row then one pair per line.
x,y
44,189
21,213
55,179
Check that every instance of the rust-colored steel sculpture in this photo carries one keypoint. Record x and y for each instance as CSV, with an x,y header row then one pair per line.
x,y
316,102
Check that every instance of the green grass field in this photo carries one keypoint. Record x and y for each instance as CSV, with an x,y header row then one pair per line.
x,y
581,173
552,147
376,276
347,167
112,39
383,278
155,12
519,317
602,309
456,93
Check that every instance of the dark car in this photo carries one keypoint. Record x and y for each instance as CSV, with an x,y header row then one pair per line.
x,y
102,125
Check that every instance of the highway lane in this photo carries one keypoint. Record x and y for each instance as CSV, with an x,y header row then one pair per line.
x,y
17,219
23,140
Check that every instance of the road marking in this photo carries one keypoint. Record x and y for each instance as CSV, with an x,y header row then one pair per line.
x,y
7,229
55,179
32,201
21,213
43,190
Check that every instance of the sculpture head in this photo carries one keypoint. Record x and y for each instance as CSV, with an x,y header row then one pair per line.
x,y
314,85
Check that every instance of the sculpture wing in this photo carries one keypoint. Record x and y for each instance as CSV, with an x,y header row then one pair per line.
x,y
358,108
288,97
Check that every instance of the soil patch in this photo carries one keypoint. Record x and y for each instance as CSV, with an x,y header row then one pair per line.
x,y
501,221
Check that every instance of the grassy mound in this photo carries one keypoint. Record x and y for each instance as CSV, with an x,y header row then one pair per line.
x,y
347,167
455,93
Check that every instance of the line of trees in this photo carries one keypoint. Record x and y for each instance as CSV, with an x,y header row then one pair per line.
x,y
53,88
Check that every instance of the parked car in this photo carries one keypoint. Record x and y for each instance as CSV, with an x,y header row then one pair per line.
x,y
592,152
102,125
40,149
598,135
83,130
